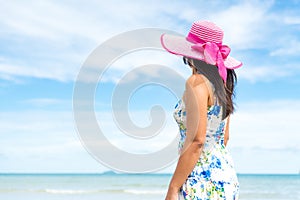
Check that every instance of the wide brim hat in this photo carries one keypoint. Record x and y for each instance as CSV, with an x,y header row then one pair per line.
x,y
203,42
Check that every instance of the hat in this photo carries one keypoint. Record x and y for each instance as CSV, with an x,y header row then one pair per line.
x,y
203,42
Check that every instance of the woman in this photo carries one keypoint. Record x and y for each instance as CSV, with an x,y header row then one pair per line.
x,y
205,169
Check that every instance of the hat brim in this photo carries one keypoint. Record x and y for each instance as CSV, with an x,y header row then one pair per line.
x,y
178,45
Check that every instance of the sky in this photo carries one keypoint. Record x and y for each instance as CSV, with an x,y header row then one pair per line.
x,y
44,44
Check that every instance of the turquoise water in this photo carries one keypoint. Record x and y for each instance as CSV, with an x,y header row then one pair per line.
x,y
131,187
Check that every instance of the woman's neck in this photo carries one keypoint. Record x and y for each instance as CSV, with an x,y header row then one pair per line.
x,y
194,71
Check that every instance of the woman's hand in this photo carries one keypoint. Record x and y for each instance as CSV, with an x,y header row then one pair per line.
x,y
172,194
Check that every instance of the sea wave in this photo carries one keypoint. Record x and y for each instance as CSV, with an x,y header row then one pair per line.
x,y
129,191
132,191
60,191
80,191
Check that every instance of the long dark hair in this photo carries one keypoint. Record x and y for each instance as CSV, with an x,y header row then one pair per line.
x,y
224,93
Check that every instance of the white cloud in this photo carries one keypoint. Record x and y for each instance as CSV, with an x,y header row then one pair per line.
x,y
15,72
44,102
132,65
263,67
138,61
42,141
288,47
266,160
48,138
30,123
116,133
291,20
243,22
264,73
47,20
60,36
10,78
270,124
264,137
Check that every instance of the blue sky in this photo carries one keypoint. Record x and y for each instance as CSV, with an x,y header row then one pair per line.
x,y
45,43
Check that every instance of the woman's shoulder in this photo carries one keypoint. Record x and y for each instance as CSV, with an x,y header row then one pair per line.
x,y
200,84
196,80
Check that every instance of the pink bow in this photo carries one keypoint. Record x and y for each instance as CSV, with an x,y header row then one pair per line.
x,y
215,55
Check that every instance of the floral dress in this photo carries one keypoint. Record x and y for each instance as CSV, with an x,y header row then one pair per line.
x,y
213,177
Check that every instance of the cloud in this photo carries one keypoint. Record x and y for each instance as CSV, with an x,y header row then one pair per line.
x,y
48,20
291,20
116,132
42,141
30,124
263,73
16,72
266,160
50,136
246,24
55,38
264,137
44,102
290,47
271,124
257,128
146,65
256,71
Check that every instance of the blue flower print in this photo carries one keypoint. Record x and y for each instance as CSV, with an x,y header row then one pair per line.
x,y
205,174
215,110
193,182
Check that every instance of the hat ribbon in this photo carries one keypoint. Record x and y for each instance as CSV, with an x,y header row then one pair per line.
x,y
214,54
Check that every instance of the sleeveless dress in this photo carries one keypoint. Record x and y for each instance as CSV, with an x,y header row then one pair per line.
x,y
213,177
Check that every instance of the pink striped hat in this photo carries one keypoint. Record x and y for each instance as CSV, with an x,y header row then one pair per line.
x,y
203,42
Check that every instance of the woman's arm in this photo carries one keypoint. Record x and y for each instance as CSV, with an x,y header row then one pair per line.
x,y
196,97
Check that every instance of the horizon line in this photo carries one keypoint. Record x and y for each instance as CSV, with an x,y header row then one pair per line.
x,y
121,173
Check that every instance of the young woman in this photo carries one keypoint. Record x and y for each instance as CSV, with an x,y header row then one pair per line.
x,y
205,169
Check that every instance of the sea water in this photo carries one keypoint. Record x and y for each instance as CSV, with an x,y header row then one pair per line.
x,y
131,186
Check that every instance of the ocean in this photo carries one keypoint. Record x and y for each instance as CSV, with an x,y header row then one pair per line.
x,y
109,185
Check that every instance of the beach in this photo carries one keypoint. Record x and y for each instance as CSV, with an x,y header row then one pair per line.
x,y
110,185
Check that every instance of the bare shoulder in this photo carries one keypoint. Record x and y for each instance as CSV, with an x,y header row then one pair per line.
x,y
196,81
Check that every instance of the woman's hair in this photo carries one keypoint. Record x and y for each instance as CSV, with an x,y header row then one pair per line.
x,y
224,93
